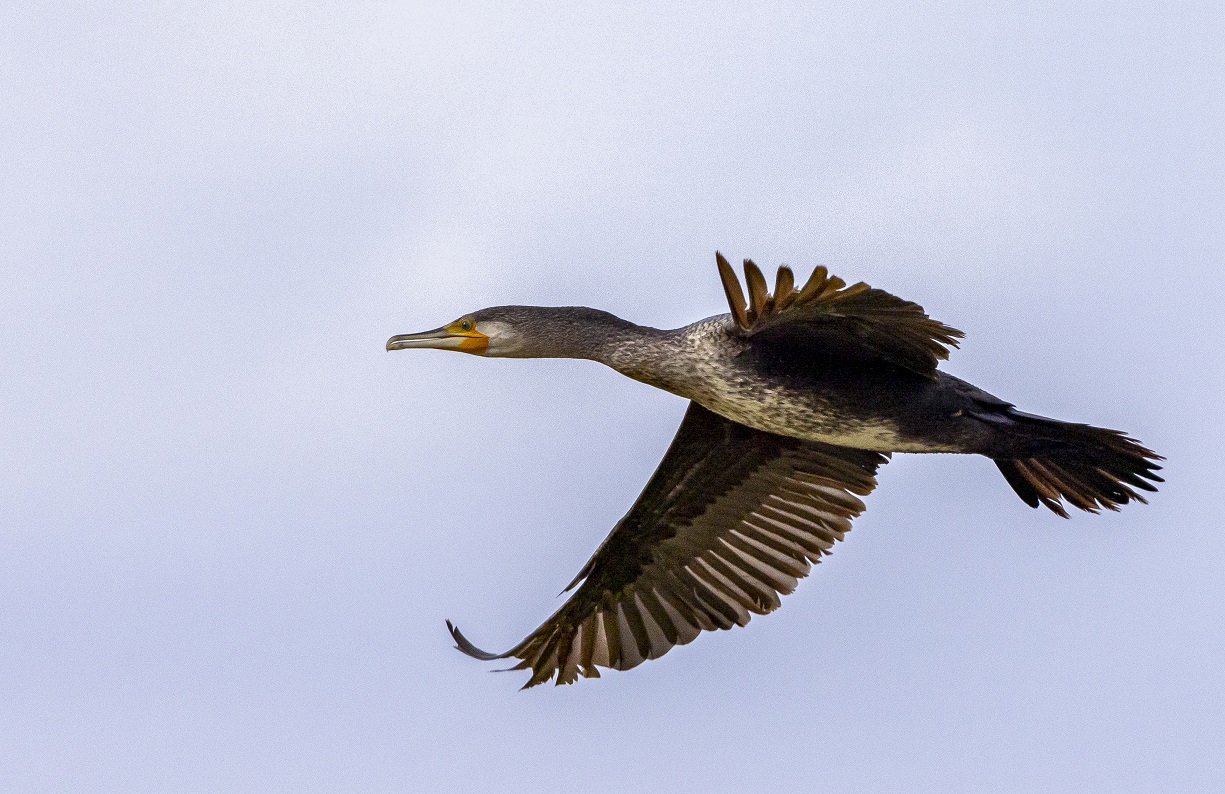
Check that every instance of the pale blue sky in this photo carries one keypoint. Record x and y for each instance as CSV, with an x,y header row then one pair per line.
x,y
231,525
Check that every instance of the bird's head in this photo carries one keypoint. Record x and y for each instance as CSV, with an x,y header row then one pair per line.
x,y
518,332
463,335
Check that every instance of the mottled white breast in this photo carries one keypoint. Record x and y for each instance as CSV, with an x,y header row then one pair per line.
x,y
701,366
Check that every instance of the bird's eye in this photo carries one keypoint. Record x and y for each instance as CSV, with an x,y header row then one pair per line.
x,y
466,325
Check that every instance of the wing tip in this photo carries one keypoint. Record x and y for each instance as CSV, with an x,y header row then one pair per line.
x,y
731,287
463,645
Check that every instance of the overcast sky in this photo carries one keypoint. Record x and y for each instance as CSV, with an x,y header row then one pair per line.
x,y
231,524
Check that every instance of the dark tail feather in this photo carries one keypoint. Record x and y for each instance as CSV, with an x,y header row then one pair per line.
x,y
1089,467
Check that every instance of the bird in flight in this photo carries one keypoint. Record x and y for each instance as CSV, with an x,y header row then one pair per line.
x,y
796,397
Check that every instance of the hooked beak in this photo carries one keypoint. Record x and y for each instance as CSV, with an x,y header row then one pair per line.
x,y
441,339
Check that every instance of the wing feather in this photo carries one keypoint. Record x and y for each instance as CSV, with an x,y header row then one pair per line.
x,y
730,521
827,318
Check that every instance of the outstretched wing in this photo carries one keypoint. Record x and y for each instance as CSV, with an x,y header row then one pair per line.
x,y
730,520
827,318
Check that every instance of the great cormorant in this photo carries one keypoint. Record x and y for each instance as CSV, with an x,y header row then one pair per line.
x,y
796,398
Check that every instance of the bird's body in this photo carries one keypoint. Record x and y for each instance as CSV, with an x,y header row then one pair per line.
x,y
879,408
797,397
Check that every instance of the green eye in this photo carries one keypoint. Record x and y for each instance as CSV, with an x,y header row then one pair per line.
x,y
466,325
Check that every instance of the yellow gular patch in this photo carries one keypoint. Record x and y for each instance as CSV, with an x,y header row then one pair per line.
x,y
473,341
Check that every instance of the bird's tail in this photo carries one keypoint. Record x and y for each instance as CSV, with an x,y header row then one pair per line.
x,y
1050,461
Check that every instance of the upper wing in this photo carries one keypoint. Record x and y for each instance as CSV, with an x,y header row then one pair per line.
x,y
731,519
832,319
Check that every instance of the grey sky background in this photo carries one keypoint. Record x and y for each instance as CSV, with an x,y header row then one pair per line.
x,y
231,525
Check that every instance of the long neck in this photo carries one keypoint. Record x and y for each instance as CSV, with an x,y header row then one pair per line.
x,y
668,360
646,354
